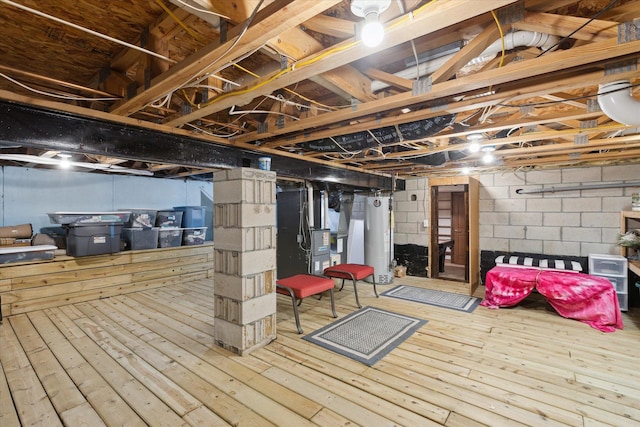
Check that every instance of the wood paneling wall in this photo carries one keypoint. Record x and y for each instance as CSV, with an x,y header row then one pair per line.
x,y
64,280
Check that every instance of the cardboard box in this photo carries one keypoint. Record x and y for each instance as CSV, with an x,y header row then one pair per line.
x,y
400,271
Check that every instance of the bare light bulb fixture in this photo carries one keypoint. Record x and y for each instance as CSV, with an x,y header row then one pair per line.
x,y
488,154
372,31
65,163
474,139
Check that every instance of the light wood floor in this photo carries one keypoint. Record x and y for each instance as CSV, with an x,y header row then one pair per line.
x,y
148,358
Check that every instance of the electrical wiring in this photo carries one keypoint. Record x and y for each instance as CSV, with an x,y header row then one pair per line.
x,y
590,20
378,150
167,100
328,107
55,95
86,30
179,21
310,61
202,10
299,106
342,148
206,132
495,18
235,42
560,101
233,111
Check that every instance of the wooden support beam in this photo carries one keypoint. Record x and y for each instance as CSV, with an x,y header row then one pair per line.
x,y
266,25
561,26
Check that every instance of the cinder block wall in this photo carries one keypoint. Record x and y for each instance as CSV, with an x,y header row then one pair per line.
x,y
577,222
410,211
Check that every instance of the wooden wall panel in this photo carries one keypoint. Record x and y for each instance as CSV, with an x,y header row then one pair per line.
x,y
64,280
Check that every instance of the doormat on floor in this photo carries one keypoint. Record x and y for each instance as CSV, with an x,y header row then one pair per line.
x,y
434,297
366,335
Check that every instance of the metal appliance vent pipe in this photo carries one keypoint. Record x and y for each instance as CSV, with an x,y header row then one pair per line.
x,y
577,187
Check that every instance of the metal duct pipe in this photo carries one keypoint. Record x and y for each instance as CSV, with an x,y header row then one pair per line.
x,y
577,187
511,41
310,217
618,103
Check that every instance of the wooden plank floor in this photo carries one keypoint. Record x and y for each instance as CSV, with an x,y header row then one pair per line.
x,y
148,358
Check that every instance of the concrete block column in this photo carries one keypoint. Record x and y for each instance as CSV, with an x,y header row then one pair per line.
x,y
245,259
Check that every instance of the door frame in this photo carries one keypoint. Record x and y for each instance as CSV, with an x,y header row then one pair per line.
x,y
472,187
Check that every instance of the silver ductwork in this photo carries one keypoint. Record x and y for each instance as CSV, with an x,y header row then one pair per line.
x,y
511,41
617,102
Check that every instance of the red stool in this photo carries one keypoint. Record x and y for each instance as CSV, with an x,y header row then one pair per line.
x,y
304,285
354,272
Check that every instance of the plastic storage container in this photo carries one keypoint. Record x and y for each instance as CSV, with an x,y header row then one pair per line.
x,y
602,264
141,218
26,253
93,239
169,237
88,217
169,219
192,216
613,268
140,238
194,236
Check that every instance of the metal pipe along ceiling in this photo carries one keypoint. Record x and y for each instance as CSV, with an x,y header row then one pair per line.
x,y
578,187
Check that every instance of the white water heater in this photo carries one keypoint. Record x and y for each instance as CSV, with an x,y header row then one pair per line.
x,y
378,238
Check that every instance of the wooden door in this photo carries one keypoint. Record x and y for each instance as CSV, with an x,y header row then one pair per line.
x,y
459,228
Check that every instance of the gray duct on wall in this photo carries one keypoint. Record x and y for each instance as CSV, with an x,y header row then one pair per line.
x,y
617,102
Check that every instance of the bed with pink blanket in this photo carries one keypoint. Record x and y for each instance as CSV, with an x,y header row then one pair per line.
x,y
574,295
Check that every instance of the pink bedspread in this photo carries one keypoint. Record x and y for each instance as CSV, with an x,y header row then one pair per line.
x,y
589,299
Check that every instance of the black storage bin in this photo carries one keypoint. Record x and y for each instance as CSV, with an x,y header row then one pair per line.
x,y
414,257
169,219
93,239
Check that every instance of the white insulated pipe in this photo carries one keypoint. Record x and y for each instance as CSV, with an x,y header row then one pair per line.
x,y
511,41
310,215
325,210
617,102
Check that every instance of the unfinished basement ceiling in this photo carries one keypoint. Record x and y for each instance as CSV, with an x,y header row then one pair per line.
x,y
291,79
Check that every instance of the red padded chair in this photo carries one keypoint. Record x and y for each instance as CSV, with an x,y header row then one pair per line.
x,y
301,286
354,272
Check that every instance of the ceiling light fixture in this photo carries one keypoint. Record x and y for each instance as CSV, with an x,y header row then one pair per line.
x,y
372,32
474,138
64,163
488,154
474,147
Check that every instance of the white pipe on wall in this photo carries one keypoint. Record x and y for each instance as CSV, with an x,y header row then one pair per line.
x,y
617,102
310,205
